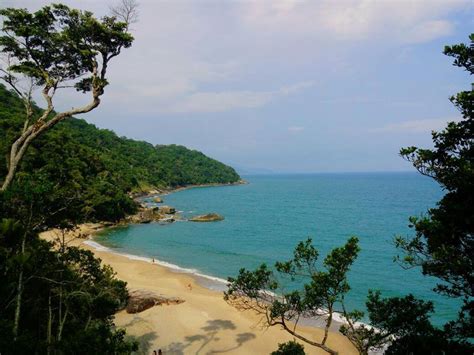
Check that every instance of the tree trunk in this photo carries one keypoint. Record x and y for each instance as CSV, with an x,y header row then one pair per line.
x,y
9,177
62,322
296,335
50,324
328,325
19,293
19,147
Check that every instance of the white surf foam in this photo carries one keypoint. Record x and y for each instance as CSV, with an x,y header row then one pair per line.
x,y
97,246
172,267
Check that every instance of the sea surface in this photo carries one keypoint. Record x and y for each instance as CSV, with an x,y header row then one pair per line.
x,y
266,218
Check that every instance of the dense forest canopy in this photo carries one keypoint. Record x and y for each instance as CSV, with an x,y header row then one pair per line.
x,y
101,167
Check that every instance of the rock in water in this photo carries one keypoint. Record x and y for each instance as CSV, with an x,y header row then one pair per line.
x,y
210,217
141,300
154,214
167,210
157,199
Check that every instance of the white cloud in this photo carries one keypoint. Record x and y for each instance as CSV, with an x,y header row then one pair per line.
x,y
220,101
295,129
185,49
416,126
429,30
402,21
230,100
291,89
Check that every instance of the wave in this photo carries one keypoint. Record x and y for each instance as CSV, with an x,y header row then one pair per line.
x,y
173,267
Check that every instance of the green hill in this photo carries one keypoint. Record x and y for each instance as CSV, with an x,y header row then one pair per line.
x,y
101,167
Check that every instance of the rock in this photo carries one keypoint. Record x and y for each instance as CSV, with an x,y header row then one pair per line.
x,y
167,210
166,219
140,300
151,214
210,217
157,199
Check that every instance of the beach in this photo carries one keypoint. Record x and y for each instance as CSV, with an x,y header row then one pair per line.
x,y
203,324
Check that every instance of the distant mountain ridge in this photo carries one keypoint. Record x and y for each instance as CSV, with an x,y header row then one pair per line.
x,y
102,166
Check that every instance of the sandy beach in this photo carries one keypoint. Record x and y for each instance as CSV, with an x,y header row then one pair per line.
x,y
203,324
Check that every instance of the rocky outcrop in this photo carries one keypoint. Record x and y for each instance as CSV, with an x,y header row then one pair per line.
x,y
167,210
210,217
153,214
140,300
157,199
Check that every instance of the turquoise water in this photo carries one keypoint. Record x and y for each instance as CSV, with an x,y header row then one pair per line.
x,y
265,219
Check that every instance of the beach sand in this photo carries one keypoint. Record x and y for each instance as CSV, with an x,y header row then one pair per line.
x,y
204,323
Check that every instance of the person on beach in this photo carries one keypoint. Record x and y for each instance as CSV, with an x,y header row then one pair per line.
x,y
153,260
190,287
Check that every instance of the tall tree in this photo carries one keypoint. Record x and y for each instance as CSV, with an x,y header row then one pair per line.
x,y
444,241
322,294
55,48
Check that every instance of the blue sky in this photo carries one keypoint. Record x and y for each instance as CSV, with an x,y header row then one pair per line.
x,y
288,86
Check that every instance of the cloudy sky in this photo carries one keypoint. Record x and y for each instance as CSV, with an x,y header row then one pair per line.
x,y
288,86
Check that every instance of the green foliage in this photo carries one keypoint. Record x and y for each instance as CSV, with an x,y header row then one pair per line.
x,y
444,241
89,172
324,288
399,316
289,348
365,338
56,299
403,323
67,294
56,44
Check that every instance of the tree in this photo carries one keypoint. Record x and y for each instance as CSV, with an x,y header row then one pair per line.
x,y
324,289
53,300
289,348
54,48
403,326
443,244
69,298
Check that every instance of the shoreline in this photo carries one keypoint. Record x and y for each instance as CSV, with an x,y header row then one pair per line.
x,y
93,228
204,322
169,190
209,282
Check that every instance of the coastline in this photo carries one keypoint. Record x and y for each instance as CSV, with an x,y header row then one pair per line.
x,y
212,283
170,190
203,323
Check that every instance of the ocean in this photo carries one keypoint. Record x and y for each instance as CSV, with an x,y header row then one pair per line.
x,y
265,219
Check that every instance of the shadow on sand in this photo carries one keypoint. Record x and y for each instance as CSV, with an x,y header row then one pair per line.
x,y
209,334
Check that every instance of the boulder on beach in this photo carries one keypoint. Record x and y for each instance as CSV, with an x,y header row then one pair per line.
x,y
141,300
167,210
157,199
210,217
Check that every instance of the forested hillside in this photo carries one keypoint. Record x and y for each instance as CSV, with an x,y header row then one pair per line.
x,y
102,167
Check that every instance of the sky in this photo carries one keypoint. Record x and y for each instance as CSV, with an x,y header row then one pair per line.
x,y
284,86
